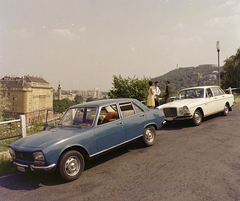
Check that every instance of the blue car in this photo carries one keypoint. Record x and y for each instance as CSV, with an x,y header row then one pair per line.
x,y
85,131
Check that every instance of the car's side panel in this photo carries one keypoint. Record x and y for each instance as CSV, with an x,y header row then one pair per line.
x,y
109,134
134,125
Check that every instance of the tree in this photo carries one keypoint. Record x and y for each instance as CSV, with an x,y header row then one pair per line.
x,y
62,105
3,103
231,74
129,88
91,99
78,99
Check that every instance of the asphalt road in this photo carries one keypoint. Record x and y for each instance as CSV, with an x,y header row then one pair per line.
x,y
185,163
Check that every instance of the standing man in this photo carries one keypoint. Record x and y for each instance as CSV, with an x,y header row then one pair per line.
x,y
167,91
157,92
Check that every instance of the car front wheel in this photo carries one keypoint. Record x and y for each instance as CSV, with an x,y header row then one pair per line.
x,y
71,165
197,117
149,136
226,110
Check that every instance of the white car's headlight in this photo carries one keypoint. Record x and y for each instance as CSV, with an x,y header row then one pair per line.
x,y
185,109
38,156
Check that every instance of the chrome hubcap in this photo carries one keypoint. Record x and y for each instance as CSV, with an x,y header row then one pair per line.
x,y
197,117
226,109
149,135
72,166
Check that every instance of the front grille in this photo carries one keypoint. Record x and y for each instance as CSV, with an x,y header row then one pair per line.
x,y
170,112
26,156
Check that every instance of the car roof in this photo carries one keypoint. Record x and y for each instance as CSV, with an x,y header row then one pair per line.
x,y
204,87
104,102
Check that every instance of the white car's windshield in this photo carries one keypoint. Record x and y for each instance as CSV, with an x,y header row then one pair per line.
x,y
82,117
190,93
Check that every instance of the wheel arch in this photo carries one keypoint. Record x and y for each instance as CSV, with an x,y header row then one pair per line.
x,y
201,110
151,124
80,149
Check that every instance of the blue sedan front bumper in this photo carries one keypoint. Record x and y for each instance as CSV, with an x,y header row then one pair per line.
x,y
22,167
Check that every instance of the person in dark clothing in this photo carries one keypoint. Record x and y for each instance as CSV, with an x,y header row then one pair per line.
x,y
167,91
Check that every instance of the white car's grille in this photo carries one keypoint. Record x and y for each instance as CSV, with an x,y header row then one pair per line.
x,y
170,112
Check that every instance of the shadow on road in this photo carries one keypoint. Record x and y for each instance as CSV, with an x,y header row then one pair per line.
x,y
34,180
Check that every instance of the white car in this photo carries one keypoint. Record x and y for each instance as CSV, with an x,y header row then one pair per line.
x,y
197,102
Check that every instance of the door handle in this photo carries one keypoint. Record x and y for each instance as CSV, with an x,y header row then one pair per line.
x,y
141,115
120,123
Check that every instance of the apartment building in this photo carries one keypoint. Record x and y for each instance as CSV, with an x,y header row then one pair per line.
x,y
29,95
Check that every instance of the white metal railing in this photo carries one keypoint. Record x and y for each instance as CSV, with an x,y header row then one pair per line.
x,y
22,121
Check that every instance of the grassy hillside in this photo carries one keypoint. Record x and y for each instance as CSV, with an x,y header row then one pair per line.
x,y
183,77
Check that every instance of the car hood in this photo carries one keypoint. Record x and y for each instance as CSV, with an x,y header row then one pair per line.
x,y
45,138
184,102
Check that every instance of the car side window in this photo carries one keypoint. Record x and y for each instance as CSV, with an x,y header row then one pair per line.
x,y
137,109
209,93
108,114
221,92
215,91
126,109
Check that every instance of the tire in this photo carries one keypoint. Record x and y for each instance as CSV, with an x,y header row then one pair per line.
x,y
197,117
149,136
225,110
71,165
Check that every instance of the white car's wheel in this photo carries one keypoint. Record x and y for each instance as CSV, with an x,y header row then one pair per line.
x,y
226,110
197,117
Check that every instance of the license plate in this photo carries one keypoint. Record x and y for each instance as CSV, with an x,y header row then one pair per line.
x,y
22,169
169,119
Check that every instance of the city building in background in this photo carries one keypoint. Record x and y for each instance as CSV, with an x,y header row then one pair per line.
x,y
29,95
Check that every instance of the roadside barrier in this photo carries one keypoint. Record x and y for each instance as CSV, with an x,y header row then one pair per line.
x,y
22,121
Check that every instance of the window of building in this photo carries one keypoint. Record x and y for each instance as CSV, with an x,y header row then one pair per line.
x,y
16,103
15,109
4,93
8,88
9,93
13,88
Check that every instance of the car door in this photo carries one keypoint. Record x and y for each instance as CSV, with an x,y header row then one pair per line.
x,y
134,119
220,97
211,103
109,131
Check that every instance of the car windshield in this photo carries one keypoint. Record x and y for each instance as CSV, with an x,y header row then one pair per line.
x,y
79,117
190,93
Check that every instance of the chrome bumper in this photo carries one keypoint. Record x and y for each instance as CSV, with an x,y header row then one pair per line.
x,y
33,167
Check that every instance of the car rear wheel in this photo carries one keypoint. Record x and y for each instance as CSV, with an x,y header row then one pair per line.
x,y
197,117
226,110
149,136
71,165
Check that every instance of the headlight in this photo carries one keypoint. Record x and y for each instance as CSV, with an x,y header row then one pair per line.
x,y
185,109
38,156
12,152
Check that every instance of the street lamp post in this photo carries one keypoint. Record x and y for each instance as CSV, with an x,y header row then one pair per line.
x,y
218,50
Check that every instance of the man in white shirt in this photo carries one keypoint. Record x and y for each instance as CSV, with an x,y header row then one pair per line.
x,y
157,92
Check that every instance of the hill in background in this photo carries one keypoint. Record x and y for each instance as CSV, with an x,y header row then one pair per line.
x,y
180,78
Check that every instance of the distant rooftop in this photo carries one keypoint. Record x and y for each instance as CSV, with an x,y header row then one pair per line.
x,y
23,81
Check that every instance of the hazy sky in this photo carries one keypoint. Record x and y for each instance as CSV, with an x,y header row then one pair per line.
x,y
83,43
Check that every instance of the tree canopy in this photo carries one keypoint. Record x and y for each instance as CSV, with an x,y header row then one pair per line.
x,y
62,105
231,73
129,88
78,99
